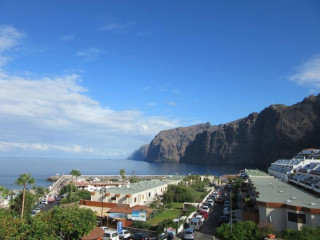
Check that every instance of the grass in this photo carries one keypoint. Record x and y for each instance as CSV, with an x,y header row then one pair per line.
x,y
175,210
171,213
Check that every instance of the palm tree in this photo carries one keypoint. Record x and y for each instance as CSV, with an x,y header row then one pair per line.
x,y
123,173
75,173
23,180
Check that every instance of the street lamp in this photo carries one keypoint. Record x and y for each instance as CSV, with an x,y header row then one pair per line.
x,y
102,191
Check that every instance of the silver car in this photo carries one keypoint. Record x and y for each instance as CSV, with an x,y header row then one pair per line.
x,y
189,234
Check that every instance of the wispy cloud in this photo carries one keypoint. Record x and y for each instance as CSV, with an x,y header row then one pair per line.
x,y
143,33
66,38
308,73
90,54
172,103
9,38
113,26
151,104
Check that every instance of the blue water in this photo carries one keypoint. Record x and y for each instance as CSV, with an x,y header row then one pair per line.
x,y
41,168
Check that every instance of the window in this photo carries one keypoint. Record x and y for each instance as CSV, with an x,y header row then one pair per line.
x,y
149,194
296,217
135,199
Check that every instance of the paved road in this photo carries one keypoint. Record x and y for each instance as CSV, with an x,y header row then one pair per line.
x,y
208,229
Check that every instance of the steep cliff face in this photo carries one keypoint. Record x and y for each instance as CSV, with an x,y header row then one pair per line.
x,y
230,143
139,154
281,132
278,131
170,145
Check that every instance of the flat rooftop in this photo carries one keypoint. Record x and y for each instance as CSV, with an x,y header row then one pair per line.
x,y
273,190
142,185
255,172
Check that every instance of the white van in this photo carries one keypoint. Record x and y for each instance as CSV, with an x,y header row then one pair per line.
x,y
195,223
110,235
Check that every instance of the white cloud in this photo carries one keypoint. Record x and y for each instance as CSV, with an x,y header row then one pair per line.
x,y
52,117
9,38
89,54
308,73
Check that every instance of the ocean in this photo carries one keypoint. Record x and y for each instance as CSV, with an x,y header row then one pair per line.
x,y
41,168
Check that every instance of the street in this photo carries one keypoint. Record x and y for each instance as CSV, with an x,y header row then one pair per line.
x,y
208,229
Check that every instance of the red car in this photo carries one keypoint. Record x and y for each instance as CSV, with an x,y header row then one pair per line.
x,y
220,200
204,214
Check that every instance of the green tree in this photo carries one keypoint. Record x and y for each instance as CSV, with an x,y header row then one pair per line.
x,y
123,174
23,180
75,173
247,230
84,194
73,222
27,200
67,188
12,228
178,193
41,227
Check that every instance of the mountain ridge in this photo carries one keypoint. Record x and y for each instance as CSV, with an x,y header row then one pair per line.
x,y
278,131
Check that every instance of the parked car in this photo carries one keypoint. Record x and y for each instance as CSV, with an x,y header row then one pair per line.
x,y
195,223
124,234
220,200
223,219
226,203
200,217
207,204
210,205
189,234
58,198
33,213
37,210
205,208
226,211
161,236
110,235
204,214
139,236
105,228
210,200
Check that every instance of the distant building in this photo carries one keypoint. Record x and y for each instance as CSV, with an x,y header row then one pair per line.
x,y
303,170
139,193
280,204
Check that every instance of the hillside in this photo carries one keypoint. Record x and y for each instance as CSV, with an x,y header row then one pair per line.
x,y
278,131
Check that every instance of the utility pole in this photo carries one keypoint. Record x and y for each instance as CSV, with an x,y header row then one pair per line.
x,y
102,191
231,210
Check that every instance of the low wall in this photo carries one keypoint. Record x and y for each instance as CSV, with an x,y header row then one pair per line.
x,y
99,204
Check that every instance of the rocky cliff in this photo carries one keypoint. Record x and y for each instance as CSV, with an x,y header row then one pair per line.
x,y
170,145
278,131
139,154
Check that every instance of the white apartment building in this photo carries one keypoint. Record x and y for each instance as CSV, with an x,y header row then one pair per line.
x,y
281,204
139,193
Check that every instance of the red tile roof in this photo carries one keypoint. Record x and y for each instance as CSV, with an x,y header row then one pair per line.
x,y
95,234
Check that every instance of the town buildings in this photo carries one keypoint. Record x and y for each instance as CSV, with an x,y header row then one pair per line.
x,y
303,170
139,193
278,203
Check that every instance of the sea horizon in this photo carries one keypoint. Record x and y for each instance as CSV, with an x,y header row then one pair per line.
x,y
41,169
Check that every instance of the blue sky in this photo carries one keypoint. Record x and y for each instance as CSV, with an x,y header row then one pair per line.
x,y
98,79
